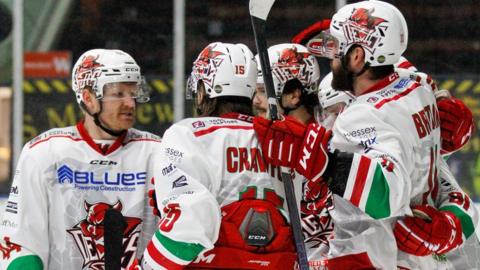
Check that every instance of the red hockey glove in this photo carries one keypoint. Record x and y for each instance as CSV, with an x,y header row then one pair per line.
x,y
306,34
313,158
291,144
152,200
456,124
429,231
281,140
315,198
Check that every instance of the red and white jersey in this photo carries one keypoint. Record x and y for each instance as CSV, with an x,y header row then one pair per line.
x,y
394,132
64,183
205,164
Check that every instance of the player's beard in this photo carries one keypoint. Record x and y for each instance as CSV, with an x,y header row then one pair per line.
x,y
342,79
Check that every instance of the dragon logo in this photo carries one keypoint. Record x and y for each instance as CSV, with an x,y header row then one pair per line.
x,y
206,65
89,235
365,29
292,64
87,71
364,18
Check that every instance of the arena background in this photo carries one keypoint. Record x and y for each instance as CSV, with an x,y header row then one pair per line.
x,y
444,41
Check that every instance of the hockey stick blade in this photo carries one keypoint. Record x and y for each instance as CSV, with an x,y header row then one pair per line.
x,y
114,225
259,10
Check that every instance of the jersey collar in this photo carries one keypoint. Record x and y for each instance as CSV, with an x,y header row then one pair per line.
x,y
86,137
239,116
383,83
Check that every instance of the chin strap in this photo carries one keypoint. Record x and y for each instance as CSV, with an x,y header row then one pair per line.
x,y
96,119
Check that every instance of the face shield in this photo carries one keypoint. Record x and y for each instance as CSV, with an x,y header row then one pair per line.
x,y
126,90
324,45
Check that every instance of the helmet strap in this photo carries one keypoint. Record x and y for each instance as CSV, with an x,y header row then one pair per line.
x,y
96,120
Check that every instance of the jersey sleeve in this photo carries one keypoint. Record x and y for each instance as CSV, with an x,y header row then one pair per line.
x,y
15,257
184,181
452,198
377,181
25,218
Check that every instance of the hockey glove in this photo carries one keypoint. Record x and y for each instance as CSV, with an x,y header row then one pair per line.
x,y
456,124
291,144
152,200
429,231
306,34
316,196
280,140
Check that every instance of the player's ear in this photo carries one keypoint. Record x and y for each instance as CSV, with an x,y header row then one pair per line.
x,y
357,58
296,96
88,98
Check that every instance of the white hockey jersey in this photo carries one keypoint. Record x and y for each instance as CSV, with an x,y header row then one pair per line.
x,y
394,132
205,164
62,187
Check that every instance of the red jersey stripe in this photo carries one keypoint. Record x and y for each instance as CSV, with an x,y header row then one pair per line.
x,y
56,136
398,96
215,128
360,179
160,259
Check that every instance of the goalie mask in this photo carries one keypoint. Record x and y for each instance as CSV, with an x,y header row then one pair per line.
x,y
288,62
98,68
225,70
378,27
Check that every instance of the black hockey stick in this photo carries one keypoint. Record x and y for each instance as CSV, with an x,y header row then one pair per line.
x,y
114,225
259,10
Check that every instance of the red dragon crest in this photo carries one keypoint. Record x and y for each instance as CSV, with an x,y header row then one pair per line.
x,y
89,232
364,17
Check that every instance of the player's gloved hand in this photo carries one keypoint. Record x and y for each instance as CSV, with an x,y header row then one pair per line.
x,y
313,157
306,34
316,196
291,144
429,231
152,200
456,124
280,140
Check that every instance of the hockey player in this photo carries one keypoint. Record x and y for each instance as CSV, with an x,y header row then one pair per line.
x,y
295,74
67,179
450,195
221,208
384,177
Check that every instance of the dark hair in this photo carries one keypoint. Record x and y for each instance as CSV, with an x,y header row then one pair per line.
x,y
225,104
307,100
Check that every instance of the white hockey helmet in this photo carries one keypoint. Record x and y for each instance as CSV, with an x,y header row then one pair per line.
x,y
225,70
98,67
378,27
291,61
327,96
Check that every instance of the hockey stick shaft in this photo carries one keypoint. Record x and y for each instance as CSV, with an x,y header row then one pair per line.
x,y
259,26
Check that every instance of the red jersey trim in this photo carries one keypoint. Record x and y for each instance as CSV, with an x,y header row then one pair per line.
x,y
84,134
158,257
56,136
215,128
398,96
405,64
360,179
383,83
